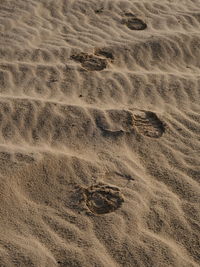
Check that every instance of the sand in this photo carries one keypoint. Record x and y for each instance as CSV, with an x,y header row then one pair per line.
x,y
99,133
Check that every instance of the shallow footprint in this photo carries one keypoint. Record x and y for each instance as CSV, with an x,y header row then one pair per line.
x,y
134,23
90,62
104,52
24,158
148,124
102,198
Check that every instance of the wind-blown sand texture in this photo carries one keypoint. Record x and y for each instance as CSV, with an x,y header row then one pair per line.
x,y
99,133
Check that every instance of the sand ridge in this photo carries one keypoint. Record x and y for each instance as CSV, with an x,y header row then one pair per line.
x,y
99,133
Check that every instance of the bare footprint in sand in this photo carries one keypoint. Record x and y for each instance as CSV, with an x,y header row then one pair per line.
x,y
102,198
134,23
147,123
90,62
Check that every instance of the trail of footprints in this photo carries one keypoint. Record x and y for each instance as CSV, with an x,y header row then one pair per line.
x,y
99,60
101,198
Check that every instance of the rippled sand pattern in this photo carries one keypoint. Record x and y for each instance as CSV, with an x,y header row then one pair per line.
x,y
99,133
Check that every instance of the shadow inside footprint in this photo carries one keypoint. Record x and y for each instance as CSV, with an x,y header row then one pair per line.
x,y
148,124
99,11
90,62
101,198
104,52
106,131
134,23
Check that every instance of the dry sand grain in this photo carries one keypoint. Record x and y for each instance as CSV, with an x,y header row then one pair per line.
x,y
99,133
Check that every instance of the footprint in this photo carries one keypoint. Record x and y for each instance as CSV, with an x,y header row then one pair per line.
x,y
148,124
5,156
99,10
24,158
134,23
104,52
105,128
90,62
102,198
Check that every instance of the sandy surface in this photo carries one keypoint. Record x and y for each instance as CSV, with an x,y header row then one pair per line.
x,y
99,133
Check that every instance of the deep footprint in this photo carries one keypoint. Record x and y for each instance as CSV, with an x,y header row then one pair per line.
x,y
90,62
102,199
147,123
134,23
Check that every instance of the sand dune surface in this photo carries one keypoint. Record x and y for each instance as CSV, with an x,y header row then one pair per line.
x,y
99,133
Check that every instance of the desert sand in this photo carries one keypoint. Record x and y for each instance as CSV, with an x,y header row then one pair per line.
x,y
99,133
